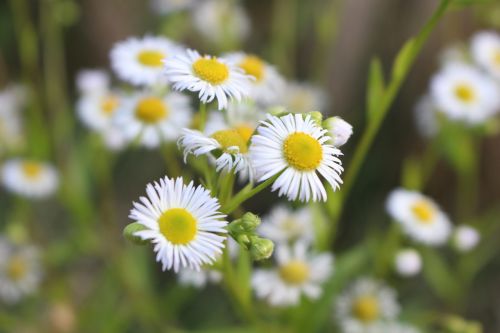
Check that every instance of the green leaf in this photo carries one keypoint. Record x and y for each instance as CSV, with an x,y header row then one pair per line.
x,y
375,90
440,277
404,60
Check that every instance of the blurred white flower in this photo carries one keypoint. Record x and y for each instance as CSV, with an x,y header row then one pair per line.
x,y
339,130
96,110
426,117
284,225
29,178
199,279
408,262
303,97
420,217
92,81
298,273
465,238
485,49
165,7
12,100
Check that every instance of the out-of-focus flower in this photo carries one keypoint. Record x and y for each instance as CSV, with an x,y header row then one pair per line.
x,y
408,262
284,225
426,117
165,7
20,271
12,100
267,86
462,92
339,130
140,61
298,273
30,178
221,20
420,217
152,119
92,81
183,223
298,148
96,110
465,238
303,97
198,279
213,78
485,48
365,306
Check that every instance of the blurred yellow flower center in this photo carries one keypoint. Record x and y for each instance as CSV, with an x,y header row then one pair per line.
x,y
302,151
178,226
16,268
151,58
253,66
245,132
231,138
211,70
423,210
465,93
151,110
496,58
366,308
301,102
292,227
32,169
294,272
109,104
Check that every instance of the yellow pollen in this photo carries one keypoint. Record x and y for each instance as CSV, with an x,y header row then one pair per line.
x,y
151,110
294,272
302,151
496,58
465,93
245,132
178,226
151,58
109,104
424,211
16,268
231,138
31,169
253,66
366,308
211,70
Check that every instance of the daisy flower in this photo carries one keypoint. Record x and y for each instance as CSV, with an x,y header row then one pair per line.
x,y
153,119
485,49
213,78
91,81
420,217
298,273
298,148
284,225
140,61
465,238
267,85
165,7
20,271
198,279
303,97
96,110
365,305
408,262
183,223
464,93
29,178
339,130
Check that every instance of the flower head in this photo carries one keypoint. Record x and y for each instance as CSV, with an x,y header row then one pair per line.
x,y
339,130
485,49
465,238
283,225
408,262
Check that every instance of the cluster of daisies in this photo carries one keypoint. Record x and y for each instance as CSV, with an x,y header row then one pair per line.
x,y
466,89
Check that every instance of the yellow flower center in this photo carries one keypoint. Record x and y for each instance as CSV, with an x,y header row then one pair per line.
x,y
231,138
211,70
245,131
465,93
16,268
32,169
151,58
302,151
151,110
424,211
109,104
366,308
178,226
252,65
496,58
294,272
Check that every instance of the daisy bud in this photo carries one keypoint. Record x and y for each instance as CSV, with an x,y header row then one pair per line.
x,y
408,262
130,230
250,221
316,116
339,130
465,238
261,248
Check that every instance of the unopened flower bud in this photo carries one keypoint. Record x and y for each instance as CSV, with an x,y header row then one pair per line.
x,y
129,233
465,238
261,248
408,262
316,116
339,130
250,222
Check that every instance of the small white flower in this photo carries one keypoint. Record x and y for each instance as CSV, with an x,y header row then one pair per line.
x,y
485,49
140,61
96,110
20,271
30,179
297,147
339,130
464,93
365,305
408,262
267,86
183,223
420,217
465,238
164,7
298,273
426,117
304,97
153,119
213,78
199,279
284,225
90,81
